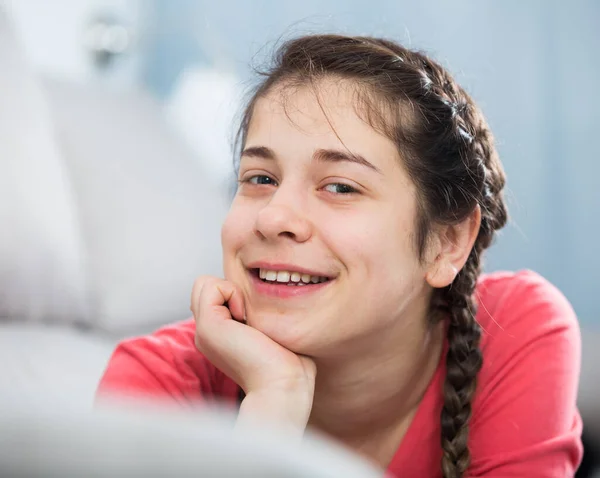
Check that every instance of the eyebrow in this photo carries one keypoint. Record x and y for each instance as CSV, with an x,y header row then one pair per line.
x,y
325,155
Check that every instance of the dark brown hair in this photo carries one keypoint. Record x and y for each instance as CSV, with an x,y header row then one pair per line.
x,y
449,153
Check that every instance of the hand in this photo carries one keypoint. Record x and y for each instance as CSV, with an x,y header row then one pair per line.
x,y
276,381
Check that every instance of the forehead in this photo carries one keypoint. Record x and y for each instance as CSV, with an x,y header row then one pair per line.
x,y
326,115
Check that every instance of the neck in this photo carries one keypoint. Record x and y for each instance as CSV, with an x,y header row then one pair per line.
x,y
375,391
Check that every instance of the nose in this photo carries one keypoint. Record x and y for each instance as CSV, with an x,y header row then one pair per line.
x,y
282,218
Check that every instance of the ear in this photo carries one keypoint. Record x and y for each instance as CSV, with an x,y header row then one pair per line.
x,y
451,248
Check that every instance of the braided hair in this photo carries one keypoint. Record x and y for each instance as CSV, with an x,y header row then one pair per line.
x,y
448,151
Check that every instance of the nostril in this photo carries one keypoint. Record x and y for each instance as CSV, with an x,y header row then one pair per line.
x,y
280,222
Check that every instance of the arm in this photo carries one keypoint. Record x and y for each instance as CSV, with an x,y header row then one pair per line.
x,y
525,421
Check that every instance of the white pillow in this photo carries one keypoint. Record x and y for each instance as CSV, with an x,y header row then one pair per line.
x,y
41,272
64,363
150,214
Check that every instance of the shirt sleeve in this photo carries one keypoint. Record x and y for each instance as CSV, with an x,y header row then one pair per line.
x,y
525,420
164,366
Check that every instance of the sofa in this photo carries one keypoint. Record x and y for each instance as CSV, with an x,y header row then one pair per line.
x,y
106,219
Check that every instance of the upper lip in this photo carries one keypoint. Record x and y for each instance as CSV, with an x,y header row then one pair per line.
x,y
270,266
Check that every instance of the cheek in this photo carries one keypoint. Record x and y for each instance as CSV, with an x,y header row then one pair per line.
x,y
379,254
238,225
372,241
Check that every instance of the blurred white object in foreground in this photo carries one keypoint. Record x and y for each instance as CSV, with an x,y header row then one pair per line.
x,y
46,440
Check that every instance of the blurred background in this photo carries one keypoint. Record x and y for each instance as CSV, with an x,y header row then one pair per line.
x,y
116,124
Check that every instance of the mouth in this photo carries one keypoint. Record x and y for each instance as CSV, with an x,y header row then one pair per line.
x,y
284,284
289,278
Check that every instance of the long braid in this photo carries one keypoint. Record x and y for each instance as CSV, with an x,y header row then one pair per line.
x,y
464,358
463,362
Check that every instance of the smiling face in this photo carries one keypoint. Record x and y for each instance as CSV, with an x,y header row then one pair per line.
x,y
323,199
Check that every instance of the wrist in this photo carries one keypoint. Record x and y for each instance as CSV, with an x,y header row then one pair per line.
x,y
287,408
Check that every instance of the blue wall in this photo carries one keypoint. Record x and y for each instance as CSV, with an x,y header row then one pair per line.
x,y
534,67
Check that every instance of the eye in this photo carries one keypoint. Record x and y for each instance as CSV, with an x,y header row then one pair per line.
x,y
340,188
260,179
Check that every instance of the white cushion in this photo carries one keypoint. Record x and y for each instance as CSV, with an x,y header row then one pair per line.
x,y
41,272
150,214
64,363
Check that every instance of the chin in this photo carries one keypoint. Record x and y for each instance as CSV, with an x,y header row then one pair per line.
x,y
288,329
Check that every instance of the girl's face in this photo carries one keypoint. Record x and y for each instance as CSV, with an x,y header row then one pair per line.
x,y
324,200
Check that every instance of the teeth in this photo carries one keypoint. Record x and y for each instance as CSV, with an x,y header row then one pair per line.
x,y
290,278
283,276
271,275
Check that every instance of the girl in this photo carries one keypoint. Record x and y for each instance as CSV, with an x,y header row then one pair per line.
x,y
352,304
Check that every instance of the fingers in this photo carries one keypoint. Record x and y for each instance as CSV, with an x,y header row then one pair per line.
x,y
235,301
196,290
214,303
210,292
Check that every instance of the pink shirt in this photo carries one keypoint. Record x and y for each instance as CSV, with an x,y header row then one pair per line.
x,y
525,422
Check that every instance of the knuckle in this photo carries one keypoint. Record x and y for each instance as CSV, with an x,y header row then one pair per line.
x,y
200,284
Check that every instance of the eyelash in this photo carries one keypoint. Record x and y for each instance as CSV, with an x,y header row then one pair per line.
x,y
349,189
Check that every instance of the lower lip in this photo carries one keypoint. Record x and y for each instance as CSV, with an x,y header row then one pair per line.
x,y
284,291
